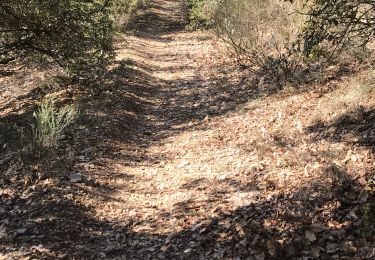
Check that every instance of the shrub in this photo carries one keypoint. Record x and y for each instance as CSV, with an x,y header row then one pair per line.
x,y
256,25
201,12
75,34
261,32
122,10
49,123
338,25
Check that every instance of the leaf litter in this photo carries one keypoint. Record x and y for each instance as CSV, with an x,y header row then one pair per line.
x,y
179,157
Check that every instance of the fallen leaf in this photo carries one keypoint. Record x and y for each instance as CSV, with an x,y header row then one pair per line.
x,y
362,181
271,247
310,236
315,252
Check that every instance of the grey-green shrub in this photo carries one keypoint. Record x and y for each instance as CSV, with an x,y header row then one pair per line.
x,y
252,26
50,121
261,32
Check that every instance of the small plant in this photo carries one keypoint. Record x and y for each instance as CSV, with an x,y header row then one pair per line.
x,y
49,123
368,219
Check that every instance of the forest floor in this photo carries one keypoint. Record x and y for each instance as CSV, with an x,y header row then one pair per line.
x,y
179,154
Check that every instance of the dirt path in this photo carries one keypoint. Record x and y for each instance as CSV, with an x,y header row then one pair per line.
x,y
184,157
173,178
214,169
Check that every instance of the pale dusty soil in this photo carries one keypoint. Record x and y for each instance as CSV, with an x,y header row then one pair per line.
x,y
183,155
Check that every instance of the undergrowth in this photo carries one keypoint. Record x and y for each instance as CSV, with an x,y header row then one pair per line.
x,y
200,11
49,123
122,10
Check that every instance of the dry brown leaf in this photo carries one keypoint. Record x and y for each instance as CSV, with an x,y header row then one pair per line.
x,y
310,236
363,181
271,247
315,252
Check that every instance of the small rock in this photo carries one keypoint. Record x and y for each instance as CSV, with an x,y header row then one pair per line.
x,y
108,234
183,163
62,256
186,251
21,231
75,178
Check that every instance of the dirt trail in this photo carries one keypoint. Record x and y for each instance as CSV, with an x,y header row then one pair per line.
x,y
212,167
183,156
174,169
177,175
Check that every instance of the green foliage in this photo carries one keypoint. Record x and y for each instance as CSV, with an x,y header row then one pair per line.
x,y
368,219
122,10
338,25
200,12
49,123
75,34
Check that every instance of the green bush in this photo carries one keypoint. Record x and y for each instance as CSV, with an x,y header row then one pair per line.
x,y
339,25
200,12
76,34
